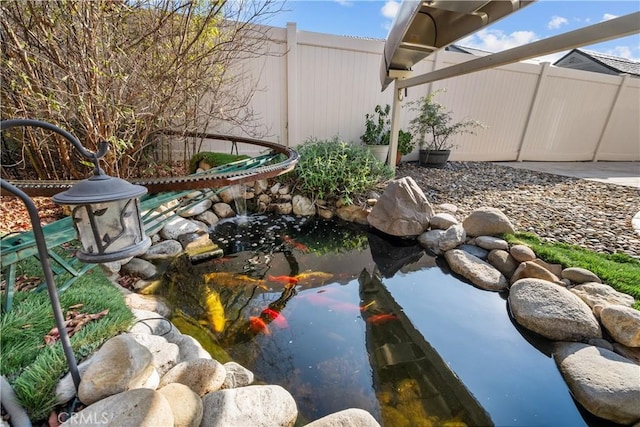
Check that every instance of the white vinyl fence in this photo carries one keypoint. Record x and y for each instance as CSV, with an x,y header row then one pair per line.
x,y
323,85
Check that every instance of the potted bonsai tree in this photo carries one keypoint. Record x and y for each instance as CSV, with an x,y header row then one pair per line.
x,y
434,126
377,132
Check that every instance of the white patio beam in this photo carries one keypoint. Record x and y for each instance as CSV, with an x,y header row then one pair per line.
x,y
603,31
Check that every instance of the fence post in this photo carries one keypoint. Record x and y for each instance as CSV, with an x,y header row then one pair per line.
x,y
292,85
534,102
623,82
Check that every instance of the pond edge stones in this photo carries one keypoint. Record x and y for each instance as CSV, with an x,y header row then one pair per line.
x,y
562,304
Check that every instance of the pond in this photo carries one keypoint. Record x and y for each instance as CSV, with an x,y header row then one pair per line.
x,y
343,317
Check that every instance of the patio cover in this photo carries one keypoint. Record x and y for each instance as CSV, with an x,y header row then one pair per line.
x,y
422,27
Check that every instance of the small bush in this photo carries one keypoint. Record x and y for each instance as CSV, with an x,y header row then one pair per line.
x,y
336,169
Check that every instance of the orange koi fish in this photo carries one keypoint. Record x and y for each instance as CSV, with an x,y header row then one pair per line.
x,y
276,316
257,325
286,280
291,242
379,319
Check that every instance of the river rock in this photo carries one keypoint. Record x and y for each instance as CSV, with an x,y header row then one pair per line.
x,y
487,221
325,212
476,251
447,207
503,262
281,208
478,272
237,376
352,417
605,383
199,239
622,323
303,206
231,193
223,210
140,268
163,250
631,353
121,364
111,268
402,210
148,322
553,268
186,406
530,269
208,217
442,221
176,226
140,407
452,237
490,243
165,354
552,311
597,293
66,389
147,302
190,348
254,405
196,209
353,213
601,342
431,240
522,253
579,275
201,375
284,189
260,186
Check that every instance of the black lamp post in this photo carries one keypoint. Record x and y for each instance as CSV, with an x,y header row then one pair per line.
x,y
106,215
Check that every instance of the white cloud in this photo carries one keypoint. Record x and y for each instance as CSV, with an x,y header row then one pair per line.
x,y
556,22
390,9
496,40
608,16
623,52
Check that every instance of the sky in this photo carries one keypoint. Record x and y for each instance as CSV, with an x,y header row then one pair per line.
x,y
540,20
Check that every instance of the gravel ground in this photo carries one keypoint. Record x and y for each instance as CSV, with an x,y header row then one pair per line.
x,y
590,214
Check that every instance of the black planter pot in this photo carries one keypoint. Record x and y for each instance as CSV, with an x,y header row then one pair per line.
x,y
434,158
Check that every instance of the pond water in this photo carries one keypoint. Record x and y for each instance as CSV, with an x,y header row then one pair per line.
x,y
342,317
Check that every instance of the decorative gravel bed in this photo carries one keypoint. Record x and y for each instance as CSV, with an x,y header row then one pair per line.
x,y
590,214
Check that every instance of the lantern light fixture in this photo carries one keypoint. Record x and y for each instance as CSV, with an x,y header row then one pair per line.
x,y
106,215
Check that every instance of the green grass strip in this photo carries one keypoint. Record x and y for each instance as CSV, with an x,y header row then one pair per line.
x,y
619,270
34,368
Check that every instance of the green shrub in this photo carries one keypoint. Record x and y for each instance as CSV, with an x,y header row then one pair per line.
x,y
336,169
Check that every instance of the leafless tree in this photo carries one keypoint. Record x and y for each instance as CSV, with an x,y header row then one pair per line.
x,y
123,71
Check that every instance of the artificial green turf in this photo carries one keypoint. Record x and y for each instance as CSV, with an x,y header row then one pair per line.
x,y
34,368
619,270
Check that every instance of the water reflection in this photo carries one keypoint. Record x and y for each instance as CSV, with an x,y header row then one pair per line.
x,y
344,317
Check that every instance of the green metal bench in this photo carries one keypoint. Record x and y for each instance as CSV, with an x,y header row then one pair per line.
x,y
17,247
